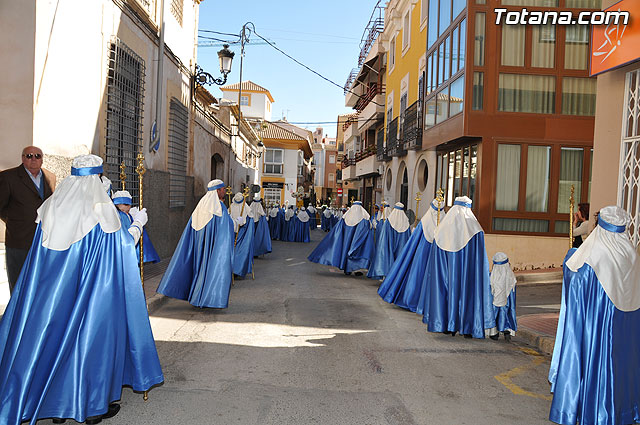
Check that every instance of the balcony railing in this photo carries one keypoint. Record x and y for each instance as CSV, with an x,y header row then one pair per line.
x,y
412,128
371,32
381,151
348,122
374,90
348,162
367,152
350,79
395,147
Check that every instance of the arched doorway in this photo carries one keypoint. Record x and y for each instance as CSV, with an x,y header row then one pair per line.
x,y
404,189
217,167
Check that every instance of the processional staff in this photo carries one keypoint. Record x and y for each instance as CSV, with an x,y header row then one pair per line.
x,y
229,192
440,201
123,175
140,169
571,206
418,199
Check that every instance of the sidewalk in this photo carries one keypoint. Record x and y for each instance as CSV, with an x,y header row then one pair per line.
x,y
538,307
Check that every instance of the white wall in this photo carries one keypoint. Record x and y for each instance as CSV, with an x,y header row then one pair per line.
x,y
257,108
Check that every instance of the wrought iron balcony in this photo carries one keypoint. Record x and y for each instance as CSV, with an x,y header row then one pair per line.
x,y
373,90
395,147
412,131
381,151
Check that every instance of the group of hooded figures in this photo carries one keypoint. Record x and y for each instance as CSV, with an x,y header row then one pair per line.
x,y
441,271
76,329
330,217
291,225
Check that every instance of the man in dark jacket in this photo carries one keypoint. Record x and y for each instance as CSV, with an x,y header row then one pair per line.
x,y
22,191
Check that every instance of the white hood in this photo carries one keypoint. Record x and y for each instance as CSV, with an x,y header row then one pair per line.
x,y
458,227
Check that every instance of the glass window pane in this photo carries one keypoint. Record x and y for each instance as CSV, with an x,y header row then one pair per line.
x,y
512,45
527,93
456,98
570,174
463,43
447,56
552,3
481,1
440,64
458,7
442,107
576,55
450,174
473,171
508,177
562,227
445,16
585,4
432,26
520,225
458,175
579,96
466,161
538,174
543,46
455,51
429,74
478,44
478,91
430,113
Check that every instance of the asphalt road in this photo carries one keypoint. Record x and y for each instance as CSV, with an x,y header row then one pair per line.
x,y
305,344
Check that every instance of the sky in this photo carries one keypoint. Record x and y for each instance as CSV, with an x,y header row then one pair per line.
x,y
323,34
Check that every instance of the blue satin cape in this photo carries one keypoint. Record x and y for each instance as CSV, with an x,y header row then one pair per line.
x,y
150,254
324,223
313,222
388,247
262,240
275,225
348,248
201,267
243,252
75,331
403,283
456,291
302,231
506,315
596,356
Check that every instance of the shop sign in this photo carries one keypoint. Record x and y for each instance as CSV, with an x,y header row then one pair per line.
x,y
615,44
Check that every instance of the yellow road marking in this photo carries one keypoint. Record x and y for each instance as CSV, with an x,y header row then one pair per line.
x,y
506,378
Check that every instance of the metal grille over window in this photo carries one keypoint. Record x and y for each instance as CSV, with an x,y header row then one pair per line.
x,y
629,192
178,139
125,94
176,10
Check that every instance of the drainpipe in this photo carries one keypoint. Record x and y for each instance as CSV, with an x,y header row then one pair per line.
x,y
155,128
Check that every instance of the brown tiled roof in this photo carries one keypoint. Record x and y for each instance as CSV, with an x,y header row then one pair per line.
x,y
247,86
273,131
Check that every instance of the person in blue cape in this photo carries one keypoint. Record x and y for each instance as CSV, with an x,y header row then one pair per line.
x,y
122,201
374,218
381,216
390,239
262,240
325,223
595,369
289,225
302,226
349,245
503,290
275,222
242,217
76,329
457,294
313,223
403,284
201,268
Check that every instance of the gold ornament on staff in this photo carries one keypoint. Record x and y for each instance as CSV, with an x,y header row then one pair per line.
x,y
418,199
229,192
440,201
571,204
123,175
140,170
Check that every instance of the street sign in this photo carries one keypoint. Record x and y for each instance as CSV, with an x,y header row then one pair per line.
x,y
339,191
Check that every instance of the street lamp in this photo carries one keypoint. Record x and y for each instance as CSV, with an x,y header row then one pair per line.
x,y
225,56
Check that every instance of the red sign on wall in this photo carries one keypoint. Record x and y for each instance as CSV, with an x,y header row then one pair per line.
x,y
614,45
339,191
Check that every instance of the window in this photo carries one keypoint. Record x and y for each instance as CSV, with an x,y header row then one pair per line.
x,y
579,96
331,178
478,44
456,97
332,159
526,93
392,54
273,161
389,179
524,185
430,113
585,4
550,3
423,175
440,64
177,149
478,91
447,55
445,16
432,26
629,180
125,93
463,43
430,74
272,196
458,7
456,172
442,106
406,31
455,50
576,48
244,100
512,45
177,7
543,46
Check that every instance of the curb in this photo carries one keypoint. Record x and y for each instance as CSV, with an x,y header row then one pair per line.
x,y
542,342
155,302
